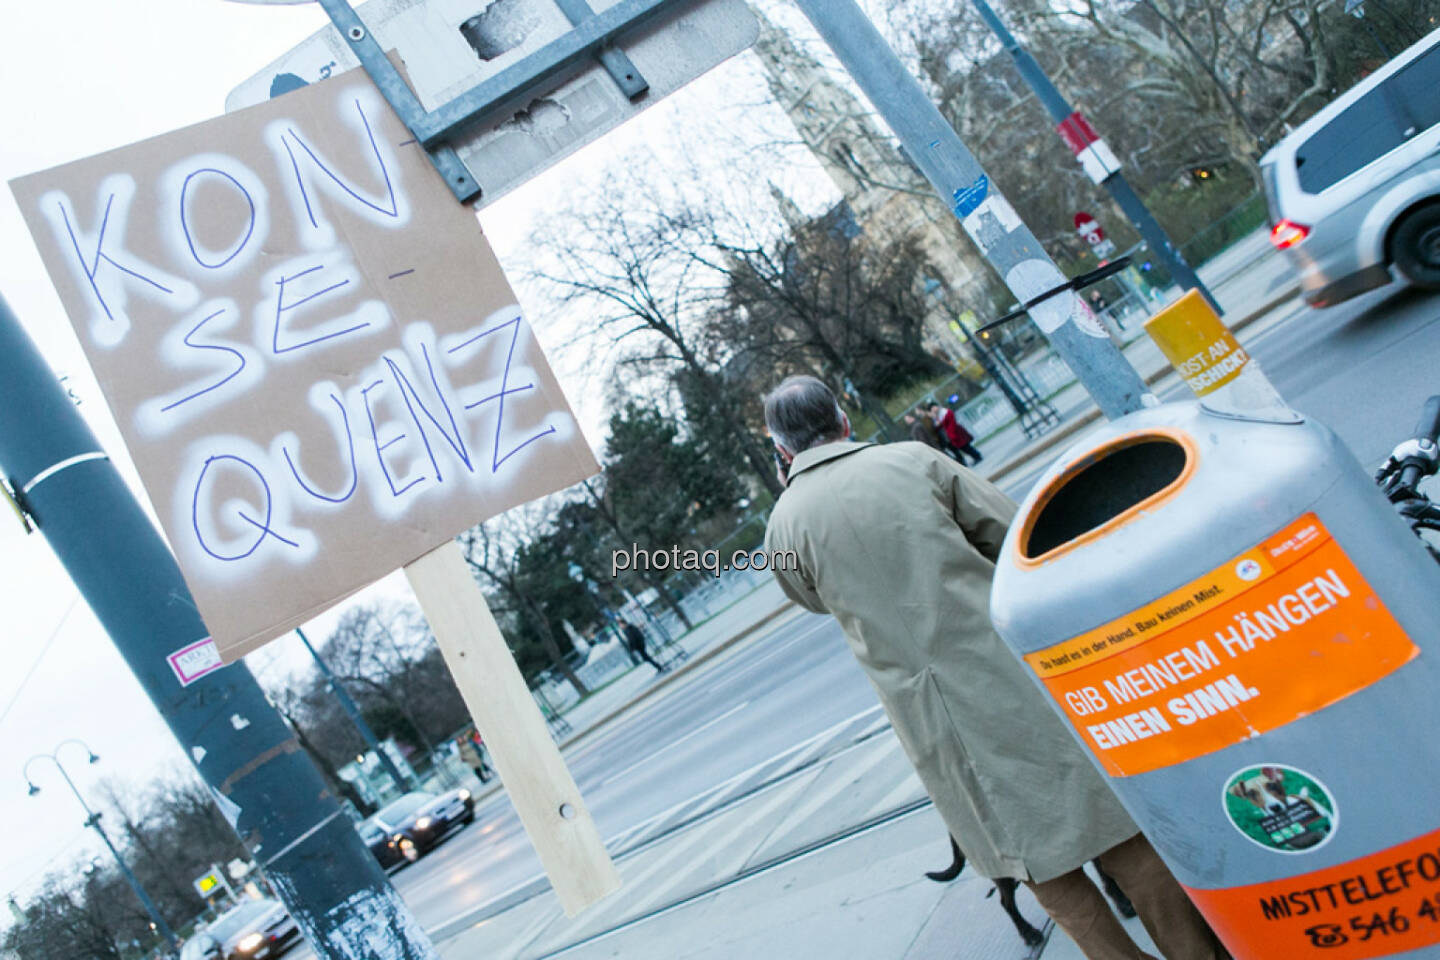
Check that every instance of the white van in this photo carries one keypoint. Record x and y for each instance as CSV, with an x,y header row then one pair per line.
x,y
1356,188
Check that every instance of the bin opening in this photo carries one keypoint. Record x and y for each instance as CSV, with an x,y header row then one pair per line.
x,y
1103,487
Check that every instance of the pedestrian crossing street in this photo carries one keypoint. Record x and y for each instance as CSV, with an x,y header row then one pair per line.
x,y
853,773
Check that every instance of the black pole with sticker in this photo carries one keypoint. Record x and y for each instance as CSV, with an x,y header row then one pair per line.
x,y
262,781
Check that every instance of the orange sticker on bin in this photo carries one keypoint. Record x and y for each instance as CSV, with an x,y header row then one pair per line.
x,y
1277,632
1379,904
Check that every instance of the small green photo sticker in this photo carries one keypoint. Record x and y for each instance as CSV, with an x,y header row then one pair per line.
x,y
1281,808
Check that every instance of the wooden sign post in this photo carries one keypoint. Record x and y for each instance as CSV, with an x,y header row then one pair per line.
x,y
322,375
529,763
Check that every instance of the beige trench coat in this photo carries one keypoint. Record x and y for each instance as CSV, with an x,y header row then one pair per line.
x,y
899,542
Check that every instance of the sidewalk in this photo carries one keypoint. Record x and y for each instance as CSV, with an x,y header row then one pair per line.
x,y
819,855
826,864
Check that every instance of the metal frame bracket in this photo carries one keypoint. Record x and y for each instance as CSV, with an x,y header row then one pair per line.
x,y
593,35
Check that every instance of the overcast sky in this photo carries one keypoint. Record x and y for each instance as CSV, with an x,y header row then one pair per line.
x,y
81,77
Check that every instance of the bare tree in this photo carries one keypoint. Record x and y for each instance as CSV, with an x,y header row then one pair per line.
x,y
493,551
602,505
638,258
170,832
377,649
833,300
132,811
66,920
291,706
1237,75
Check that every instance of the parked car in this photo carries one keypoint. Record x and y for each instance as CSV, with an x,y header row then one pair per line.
x,y
406,829
1356,188
253,930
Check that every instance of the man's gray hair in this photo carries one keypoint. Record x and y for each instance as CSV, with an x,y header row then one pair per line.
x,y
802,413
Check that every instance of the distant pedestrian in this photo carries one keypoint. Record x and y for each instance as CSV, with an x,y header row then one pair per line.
x,y
899,543
923,430
635,643
472,754
954,433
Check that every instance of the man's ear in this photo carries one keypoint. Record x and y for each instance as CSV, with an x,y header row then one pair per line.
x,y
785,453
845,423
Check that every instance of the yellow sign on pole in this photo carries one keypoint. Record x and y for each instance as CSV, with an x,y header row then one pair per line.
x,y
1191,335
208,883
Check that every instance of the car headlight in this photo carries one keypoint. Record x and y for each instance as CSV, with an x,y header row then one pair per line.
x,y
422,823
464,795
250,942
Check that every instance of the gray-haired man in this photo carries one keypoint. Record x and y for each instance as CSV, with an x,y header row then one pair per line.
x,y
899,543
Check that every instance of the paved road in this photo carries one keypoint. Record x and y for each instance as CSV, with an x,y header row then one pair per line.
x,y
1364,368
789,685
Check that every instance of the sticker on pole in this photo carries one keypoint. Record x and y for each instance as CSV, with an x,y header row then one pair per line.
x,y
1280,808
192,662
1273,634
1030,278
968,199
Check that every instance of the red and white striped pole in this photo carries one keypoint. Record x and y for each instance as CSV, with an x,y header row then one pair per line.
x,y
1095,156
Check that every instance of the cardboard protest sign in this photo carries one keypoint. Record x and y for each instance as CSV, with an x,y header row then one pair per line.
x,y
310,349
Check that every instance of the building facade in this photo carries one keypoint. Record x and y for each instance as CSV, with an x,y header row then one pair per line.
x,y
888,197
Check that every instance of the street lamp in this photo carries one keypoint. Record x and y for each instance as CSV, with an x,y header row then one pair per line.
x,y
352,711
92,819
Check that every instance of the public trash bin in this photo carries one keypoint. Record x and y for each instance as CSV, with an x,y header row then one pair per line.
x,y
1243,635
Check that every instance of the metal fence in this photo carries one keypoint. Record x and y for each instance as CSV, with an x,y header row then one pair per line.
x,y
597,672
1243,219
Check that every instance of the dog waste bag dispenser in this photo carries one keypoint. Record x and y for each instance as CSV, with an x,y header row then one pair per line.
x,y
1244,636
